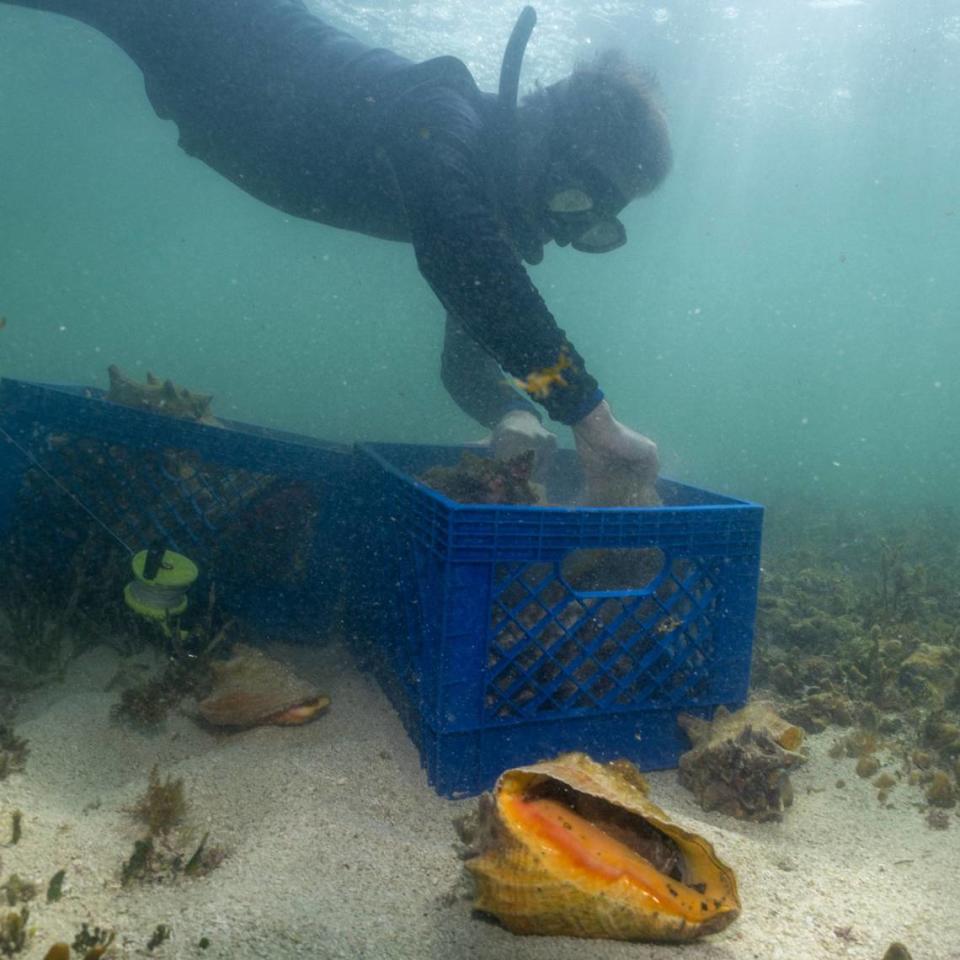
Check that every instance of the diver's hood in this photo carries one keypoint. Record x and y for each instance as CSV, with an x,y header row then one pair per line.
x,y
525,236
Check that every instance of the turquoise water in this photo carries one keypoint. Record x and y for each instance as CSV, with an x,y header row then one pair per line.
x,y
783,321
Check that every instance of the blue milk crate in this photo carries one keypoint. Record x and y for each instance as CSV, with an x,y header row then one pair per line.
x,y
494,656
233,498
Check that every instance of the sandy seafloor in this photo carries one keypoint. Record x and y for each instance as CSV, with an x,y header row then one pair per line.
x,y
338,848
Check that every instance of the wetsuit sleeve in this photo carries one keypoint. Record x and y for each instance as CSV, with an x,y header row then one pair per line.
x,y
471,267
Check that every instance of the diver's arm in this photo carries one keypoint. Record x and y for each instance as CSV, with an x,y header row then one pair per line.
x,y
468,263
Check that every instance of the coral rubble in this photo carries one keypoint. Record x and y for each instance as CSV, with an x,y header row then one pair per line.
x,y
870,643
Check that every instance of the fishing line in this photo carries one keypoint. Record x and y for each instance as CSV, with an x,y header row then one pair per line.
x,y
32,460
162,577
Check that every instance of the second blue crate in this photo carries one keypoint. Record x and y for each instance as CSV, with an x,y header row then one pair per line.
x,y
268,515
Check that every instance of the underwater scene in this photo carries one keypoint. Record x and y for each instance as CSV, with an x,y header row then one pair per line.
x,y
479,480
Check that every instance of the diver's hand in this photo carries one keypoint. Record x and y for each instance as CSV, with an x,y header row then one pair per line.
x,y
619,464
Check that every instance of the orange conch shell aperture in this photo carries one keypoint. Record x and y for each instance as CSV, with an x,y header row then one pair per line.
x,y
571,847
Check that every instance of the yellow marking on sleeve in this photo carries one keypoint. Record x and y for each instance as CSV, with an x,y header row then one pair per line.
x,y
540,383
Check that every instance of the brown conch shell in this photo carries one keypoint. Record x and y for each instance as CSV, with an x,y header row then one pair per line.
x,y
740,761
570,847
760,715
160,396
251,689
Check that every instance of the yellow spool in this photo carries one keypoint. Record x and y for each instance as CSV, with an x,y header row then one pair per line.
x,y
165,595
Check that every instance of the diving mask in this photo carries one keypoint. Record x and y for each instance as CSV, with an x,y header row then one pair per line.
x,y
581,211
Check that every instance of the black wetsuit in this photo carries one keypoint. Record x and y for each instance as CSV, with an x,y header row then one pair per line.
x,y
317,124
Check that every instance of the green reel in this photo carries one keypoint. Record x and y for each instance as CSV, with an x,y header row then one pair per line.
x,y
164,596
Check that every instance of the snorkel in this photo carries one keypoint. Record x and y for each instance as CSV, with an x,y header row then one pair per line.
x,y
512,62
582,205
527,239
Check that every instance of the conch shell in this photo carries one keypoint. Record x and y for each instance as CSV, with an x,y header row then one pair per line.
x,y
740,761
160,396
760,715
570,847
251,689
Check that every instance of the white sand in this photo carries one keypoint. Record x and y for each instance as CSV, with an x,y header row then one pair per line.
x,y
338,848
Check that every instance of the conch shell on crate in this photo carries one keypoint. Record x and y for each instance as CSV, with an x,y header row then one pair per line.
x,y
160,396
251,689
570,847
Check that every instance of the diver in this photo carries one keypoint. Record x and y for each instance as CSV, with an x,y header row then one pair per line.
x,y
319,125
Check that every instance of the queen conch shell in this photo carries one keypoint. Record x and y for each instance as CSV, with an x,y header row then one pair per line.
x,y
251,689
759,715
160,396
571,847
740,761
